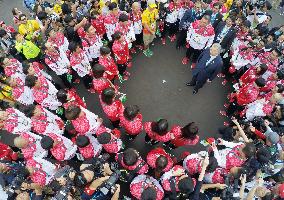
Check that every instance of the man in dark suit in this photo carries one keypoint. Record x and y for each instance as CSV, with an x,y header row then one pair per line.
x,y
189,16
215,15
225,33
208,65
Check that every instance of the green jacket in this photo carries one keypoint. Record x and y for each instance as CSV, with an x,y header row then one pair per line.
x,y
29,49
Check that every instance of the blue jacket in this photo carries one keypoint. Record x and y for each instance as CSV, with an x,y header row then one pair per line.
x,y
210,71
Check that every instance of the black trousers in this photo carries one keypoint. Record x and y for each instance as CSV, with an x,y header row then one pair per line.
x,y
115,124
233,108
194,53
181,39
121,68
170,28
197,83
87,80
139,39
66,83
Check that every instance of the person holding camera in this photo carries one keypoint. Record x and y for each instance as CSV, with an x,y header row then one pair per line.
x,y
177,181
103,188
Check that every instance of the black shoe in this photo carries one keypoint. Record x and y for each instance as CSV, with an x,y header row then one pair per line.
x,y
190,84
194,91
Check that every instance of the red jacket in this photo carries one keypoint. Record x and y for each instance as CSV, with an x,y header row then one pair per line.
x,y
247,94
110,66
179,140
153,155
249,76
133,127
121,51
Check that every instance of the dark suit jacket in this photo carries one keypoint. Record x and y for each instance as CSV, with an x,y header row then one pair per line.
x,y
228,38
189,16
210,71
216,21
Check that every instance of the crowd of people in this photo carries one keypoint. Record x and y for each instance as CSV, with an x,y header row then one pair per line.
x,y
61,150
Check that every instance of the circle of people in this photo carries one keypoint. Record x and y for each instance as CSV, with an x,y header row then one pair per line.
x,y
91,41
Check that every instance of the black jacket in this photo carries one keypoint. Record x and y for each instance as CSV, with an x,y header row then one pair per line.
x,y
228,38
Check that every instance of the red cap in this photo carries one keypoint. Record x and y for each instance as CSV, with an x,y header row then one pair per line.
x,y
281,190
1,23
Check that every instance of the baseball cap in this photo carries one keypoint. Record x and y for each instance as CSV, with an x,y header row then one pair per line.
x,y
273,137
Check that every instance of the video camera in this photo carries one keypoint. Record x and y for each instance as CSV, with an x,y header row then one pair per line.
x,y
104,191
62,193
229,193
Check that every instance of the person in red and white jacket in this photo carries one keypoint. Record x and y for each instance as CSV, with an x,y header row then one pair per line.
x,y
158,132
186,135
56,59
44,92
97,22
171,21
60,147
88,147
42,171
112,107
59,40
100,81
193,163
217,176
131,121
160,161
126,28
200,36
35,69
121,53
146,187
108,62
111,20
29,144
13,68
136,18
91,43
182,181
252,74
83,120
80,63
14,121
44,121
20,92
109,139
131,160
70,97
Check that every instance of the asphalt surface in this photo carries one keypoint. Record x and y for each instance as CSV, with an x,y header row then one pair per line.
x,y
157,86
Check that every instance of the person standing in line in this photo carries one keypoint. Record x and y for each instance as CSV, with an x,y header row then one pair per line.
x,y
200,36
149,17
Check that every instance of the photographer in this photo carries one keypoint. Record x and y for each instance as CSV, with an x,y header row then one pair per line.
x,y
30,191
103,188
13,180
91,170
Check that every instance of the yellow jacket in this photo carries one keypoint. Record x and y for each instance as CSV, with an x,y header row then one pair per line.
x,y
29,28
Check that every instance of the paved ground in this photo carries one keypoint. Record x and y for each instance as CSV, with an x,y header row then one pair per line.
x,y
157,85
